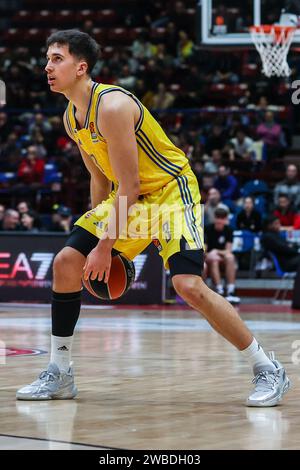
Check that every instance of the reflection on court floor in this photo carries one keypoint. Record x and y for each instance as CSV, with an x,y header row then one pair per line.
x,y
147,379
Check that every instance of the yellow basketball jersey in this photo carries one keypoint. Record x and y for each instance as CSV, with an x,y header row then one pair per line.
x,y
160,160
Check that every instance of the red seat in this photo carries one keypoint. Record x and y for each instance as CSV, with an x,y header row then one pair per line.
x,y
239,89
119,36
13,36
107,52
99,34
106,18
249,70
22,18
158,33
84,15
35,36
65,18
44,18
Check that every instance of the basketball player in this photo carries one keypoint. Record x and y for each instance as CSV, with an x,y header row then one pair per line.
x,y
121,143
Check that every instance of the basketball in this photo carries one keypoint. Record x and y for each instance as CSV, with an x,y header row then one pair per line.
x,y
122,275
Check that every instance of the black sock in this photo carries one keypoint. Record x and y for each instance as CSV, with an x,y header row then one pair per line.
x,y
65,312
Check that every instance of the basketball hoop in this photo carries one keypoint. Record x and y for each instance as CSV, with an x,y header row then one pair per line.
x,y
273,44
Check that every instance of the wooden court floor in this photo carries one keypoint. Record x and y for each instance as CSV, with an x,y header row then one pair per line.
x,y
147,379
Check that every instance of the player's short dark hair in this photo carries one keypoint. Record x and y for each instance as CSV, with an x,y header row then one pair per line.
x,y
81,45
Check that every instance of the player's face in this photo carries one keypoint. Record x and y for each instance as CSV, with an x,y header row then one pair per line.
x,y
63,69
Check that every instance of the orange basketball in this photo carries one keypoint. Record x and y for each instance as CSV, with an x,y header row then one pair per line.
x,y
121,277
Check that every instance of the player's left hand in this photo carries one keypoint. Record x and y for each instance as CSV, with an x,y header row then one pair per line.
x,y
98,264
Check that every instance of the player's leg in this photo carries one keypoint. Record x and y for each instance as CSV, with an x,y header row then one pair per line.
x,y
271,381
185,260
57,382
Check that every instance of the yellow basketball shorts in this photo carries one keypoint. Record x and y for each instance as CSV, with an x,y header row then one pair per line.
x,y
165,217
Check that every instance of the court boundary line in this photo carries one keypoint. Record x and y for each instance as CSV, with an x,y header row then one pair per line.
x,y
242,308
99,447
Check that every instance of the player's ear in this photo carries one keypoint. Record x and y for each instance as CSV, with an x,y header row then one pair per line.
x,y
82,68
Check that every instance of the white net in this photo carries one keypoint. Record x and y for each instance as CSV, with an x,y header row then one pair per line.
x,y
273,43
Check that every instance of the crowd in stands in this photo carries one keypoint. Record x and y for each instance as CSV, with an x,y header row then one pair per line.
x,y
234,125
24,219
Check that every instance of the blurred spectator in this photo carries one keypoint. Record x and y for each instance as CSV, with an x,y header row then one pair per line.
x,y
271,134
249,218
218,240
28,222
285,212
262,104
88,27
10,221
227,184
212,163
287,255
126,79
61,220
31,169
185,46
289,186
10,153
216,139
213,202
5,128
142,47
162,99
2,210
23,207
40,123
242,145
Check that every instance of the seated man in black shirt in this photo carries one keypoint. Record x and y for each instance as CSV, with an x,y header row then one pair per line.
x,y
287,255
218,240
249,218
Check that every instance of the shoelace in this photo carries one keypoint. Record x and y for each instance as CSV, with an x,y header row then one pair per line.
x,y
47,375
266,379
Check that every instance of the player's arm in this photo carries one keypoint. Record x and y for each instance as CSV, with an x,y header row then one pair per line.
x,y
116,121
100,186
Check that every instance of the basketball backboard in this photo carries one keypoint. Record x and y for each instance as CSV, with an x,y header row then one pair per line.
x,y
226,22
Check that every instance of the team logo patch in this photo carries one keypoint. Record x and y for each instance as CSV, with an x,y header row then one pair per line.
x,y
157,244
21,352
93,132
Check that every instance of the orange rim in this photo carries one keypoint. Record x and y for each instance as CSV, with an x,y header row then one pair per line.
x,y
272,28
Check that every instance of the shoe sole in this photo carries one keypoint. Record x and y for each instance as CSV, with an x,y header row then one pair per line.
x,y
274,401
54,397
